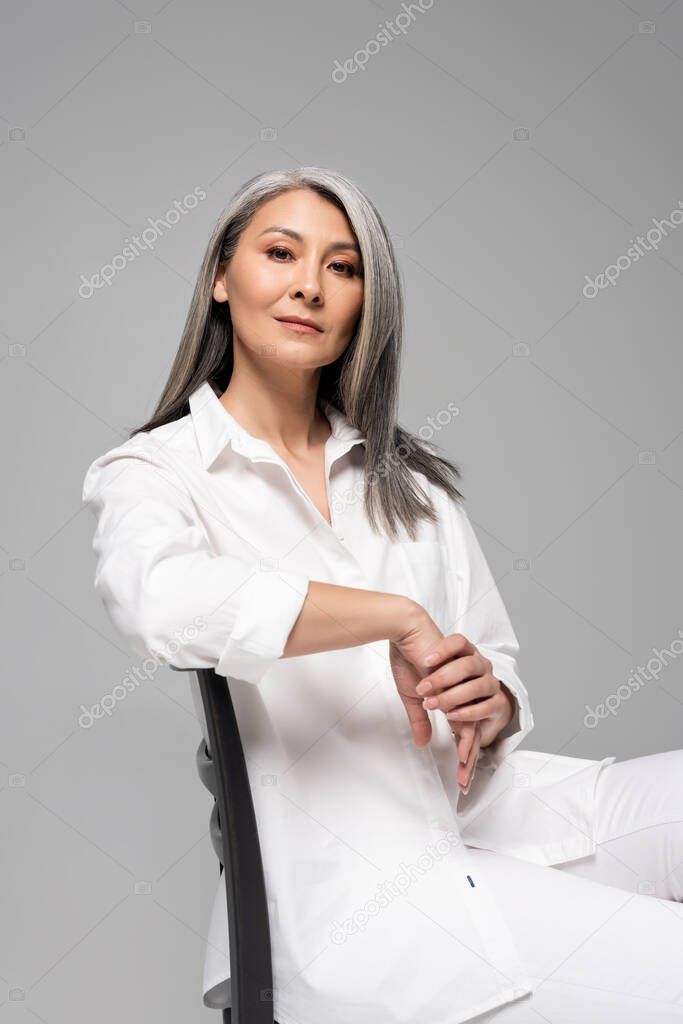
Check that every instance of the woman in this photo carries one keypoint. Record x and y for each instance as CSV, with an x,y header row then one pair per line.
x,y
274,522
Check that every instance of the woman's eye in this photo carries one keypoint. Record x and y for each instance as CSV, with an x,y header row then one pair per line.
x,y
279,248
348,269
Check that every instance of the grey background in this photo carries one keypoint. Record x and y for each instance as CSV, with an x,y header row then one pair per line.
x,y
513,148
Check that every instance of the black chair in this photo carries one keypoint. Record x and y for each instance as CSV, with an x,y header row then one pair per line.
x,y
246,997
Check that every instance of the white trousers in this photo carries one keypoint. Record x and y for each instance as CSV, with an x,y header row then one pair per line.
x,y
602,936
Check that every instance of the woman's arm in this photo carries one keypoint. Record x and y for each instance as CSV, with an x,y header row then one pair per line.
x,y
173,598
333,617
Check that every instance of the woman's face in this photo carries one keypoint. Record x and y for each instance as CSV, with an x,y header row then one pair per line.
x,y
297,257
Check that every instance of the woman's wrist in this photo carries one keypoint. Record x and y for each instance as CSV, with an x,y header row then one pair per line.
x,y
403,617
511,699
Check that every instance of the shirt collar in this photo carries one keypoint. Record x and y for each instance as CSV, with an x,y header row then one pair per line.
x,y
215,428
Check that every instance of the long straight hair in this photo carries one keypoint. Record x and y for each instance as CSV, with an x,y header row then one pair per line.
x,y
362,383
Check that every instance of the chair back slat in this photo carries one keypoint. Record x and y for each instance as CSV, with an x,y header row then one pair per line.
x,y
234,836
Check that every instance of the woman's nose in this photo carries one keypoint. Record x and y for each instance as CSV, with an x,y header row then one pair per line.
x,y
307,282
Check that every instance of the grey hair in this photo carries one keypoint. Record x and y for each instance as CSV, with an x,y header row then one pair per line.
x,y
363,382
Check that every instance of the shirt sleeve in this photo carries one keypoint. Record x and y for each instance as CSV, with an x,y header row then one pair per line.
x,y
481,616
167,592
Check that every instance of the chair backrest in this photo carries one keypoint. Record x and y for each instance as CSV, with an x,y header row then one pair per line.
x,y
248,993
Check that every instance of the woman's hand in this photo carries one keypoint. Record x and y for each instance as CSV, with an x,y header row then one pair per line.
x,y
465,689
406,655
418,635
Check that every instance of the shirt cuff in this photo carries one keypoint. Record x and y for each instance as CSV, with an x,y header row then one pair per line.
x,y
271,603
521,723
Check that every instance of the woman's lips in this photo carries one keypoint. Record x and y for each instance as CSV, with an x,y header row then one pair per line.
x,y
299,328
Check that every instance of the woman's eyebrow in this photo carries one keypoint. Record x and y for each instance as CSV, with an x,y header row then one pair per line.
x,y
299,238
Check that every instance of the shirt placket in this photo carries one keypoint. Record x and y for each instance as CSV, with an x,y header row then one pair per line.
x,y
263,452
436,807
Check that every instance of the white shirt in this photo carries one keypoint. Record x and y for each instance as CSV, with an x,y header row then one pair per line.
x,y
205,545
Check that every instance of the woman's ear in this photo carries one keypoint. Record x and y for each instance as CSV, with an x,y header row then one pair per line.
x,y
219,292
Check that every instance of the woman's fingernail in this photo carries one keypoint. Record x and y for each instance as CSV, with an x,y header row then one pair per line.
x,y
431,658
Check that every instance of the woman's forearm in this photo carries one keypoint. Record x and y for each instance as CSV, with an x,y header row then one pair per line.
x,y
334,617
